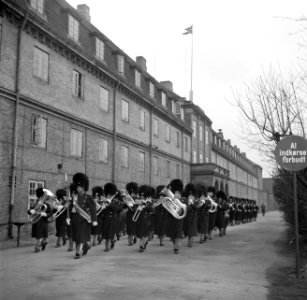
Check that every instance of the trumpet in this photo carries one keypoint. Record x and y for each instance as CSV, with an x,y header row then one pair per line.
x,y
41,206
174,206
213,204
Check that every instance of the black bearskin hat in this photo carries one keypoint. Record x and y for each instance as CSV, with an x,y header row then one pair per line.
x,y
72,188
211,189
159,188
60,194
221,195
201,190
80,179
189,190
132,187
176,185
110,189
145,191
97,190
39,192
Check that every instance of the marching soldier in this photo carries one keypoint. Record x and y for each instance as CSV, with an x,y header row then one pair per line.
x,y
60,221
212,213
160,215
220,214
83,214
96,231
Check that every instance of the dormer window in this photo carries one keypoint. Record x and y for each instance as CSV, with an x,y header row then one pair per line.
x,y
151,90
173,107
38,5
120,64
99,49
137,78
163,99
73,28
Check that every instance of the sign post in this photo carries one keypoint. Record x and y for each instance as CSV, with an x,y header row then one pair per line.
x,y
291,154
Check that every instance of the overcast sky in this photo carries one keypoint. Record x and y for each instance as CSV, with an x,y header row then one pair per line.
x,y
234,42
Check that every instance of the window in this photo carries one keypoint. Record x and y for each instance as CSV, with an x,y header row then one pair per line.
x,y
173,107
104,96
124,156
76,142
38,5
121,64
77,84
141,161
182,113
168,169
201,133
168,133
99,49
206,137
194,128
186,147
151,90
39,131
194,157
104,150
155,165
125,111
201,158
73,28
33,186
177,139
0,37
163,99
155,127
177,171
207,159
137,78
142,119
41,64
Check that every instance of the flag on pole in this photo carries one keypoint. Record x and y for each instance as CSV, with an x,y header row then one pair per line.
x,y
189,30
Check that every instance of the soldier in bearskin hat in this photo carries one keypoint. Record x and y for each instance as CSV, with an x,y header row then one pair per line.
x,y
160,215
132,190
142,216
60,221
83,214
174,225
212,213
110,215
221,212
96,231
190,221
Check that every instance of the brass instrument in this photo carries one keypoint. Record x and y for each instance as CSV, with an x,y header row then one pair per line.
x,y
60,208
41,206
199,202
174,206
104,204
214,205
129,201
139,209
80,211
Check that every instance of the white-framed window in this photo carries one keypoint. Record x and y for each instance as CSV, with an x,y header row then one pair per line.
x,y
155,127
104,98
194,157
125,110
201,158
41,64
173,107
137,75
141,161
201,133
177,171
33,186
77,84
163,99
121,64
99,49
142,119
186,146
177,139
38,5
206,137
73,28
168,133
39,131
181,113
104,150
124,152
168,169
76,141
151,90
194,128
207,159
155,165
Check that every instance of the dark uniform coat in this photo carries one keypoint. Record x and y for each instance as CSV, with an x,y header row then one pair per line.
x,y
203,218
190,221
143,223
160,220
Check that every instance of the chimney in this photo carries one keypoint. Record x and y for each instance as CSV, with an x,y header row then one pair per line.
x,y
167,84
84,12
141,61
220,133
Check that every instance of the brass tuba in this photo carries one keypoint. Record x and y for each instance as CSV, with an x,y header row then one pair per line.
x,y
174,206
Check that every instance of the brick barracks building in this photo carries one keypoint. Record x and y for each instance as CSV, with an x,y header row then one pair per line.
x,y
72,101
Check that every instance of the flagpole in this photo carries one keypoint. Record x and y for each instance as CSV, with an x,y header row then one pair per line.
x,y
191,91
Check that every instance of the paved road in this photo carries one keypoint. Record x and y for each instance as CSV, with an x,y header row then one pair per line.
x,y
245,264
